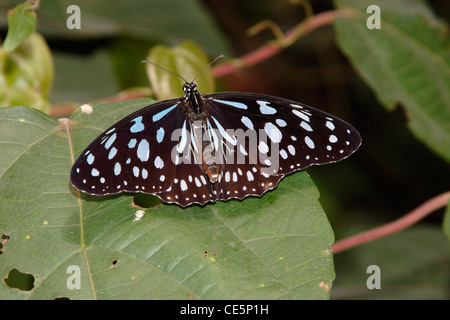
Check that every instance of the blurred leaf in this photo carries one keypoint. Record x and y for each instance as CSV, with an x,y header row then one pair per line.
x,y
407,62
413,265
161,21
446,223
276,247
186,60
84,77
21,24
26,74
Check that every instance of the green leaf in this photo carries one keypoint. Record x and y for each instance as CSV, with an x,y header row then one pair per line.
x,y
186,60
406,62
274,247
159,21
21,24
26,74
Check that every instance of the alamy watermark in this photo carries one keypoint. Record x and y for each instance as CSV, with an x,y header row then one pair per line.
x,y
374,20
74,280
227,146
374,280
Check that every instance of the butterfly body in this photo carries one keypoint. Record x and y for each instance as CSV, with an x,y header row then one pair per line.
x,y
204,148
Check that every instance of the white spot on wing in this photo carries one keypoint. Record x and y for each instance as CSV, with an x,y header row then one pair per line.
x,y
333,139
159,163
306,126
143,150
309,142
330,125
301,115
117,169
183,185
273,132
247,122
264,107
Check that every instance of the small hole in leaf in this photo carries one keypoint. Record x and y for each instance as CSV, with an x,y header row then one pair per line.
x,y
5,237
19,280
146,200
114,262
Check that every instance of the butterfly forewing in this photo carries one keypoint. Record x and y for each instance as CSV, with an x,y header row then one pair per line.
x,y
130,155
300,135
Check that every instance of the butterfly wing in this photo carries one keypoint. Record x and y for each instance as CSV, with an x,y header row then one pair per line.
x,y
131,155
289,137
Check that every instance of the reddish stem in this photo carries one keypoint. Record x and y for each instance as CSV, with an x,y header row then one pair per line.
x,y
271,49
394,226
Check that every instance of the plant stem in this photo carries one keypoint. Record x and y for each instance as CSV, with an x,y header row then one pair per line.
x,y
394,226
272,48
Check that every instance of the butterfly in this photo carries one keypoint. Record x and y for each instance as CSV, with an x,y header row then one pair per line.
x,y
204,148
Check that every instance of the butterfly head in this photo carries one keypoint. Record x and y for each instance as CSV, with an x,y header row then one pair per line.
x,y
190,88
192,96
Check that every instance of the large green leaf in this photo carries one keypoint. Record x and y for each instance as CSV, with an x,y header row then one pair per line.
x,y
406,61
276,247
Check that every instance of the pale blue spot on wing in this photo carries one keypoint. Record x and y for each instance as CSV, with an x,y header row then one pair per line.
x,y
132,143
225,134
183,141
143,150
306,126
138,126
95,172
247,122
117,169
235,104
161,114
330,125
160,135
159,163
265,109
110,141
136,171
112,153
90,159
273,132
281,123
212,135
301,115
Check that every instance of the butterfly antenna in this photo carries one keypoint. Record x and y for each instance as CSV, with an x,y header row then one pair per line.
x,y
219,57
212,62
164,69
